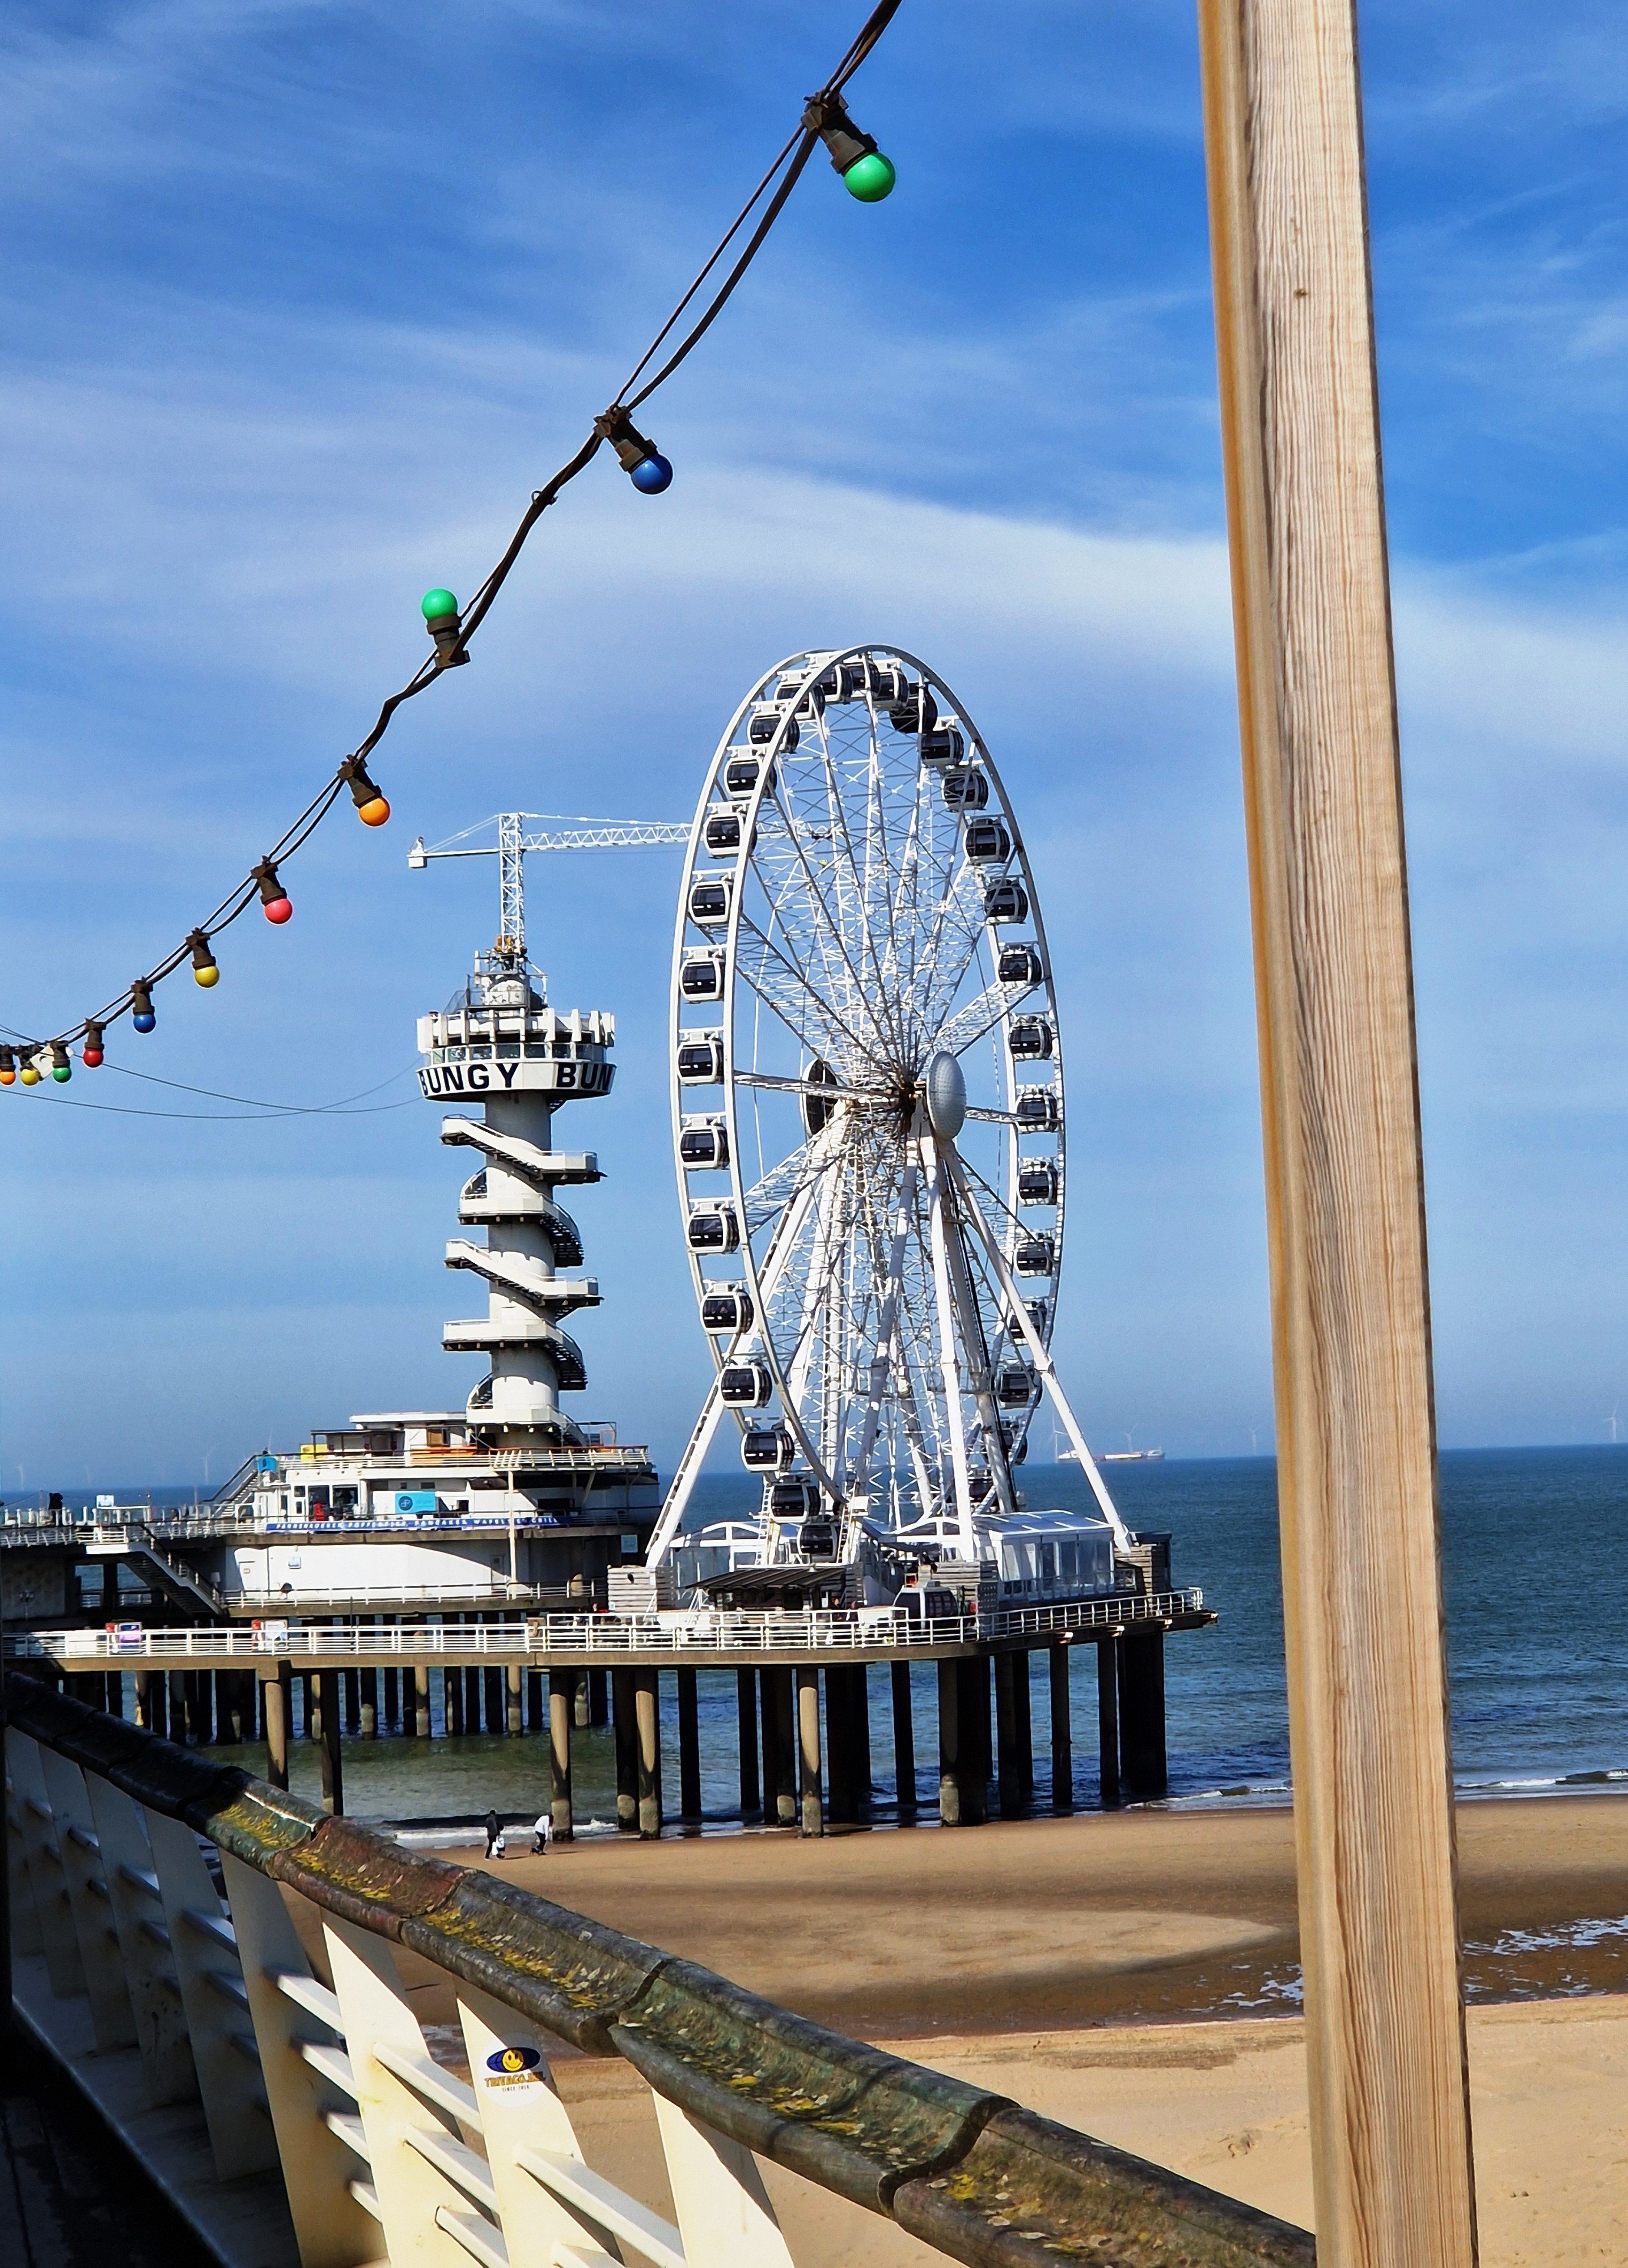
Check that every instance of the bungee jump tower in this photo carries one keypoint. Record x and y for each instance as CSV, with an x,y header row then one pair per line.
x,y
503,1046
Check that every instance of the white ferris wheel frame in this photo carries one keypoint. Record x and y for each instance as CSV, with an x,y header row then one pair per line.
x,y
934,1164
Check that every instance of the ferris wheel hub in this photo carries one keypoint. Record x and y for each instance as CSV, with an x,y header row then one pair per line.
x,y
944,1086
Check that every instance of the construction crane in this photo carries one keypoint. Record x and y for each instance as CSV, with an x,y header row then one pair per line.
x,y
561,833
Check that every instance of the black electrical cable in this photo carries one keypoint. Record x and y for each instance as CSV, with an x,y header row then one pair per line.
x,y
276,1117
790,164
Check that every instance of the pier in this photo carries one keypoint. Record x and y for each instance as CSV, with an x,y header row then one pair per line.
x,y
800,1680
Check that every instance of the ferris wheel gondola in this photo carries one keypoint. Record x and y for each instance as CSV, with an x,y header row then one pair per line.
x,y
869,1116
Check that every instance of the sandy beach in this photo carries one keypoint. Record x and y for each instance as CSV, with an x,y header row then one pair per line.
x,y
1116,1918
1097,1969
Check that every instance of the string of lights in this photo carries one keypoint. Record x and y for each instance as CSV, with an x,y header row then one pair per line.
x,y
868,176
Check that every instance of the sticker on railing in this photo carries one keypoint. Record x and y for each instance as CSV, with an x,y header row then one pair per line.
x,y
511,2066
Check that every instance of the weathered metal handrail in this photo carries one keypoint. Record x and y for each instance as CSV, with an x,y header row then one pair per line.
x,y
971,2173
718,1632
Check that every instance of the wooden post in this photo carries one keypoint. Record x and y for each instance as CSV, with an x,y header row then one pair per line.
x,y
689,1747
333,1777
560,1686
1060,1662
1107,1723
904,1739
809,1746
746,1713
1356,1465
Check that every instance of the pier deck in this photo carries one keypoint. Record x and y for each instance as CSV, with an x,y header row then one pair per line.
x,y
583,1641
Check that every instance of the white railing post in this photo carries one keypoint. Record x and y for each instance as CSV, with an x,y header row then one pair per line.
x,y
112,2020
212,1992
332,2229
168,2072
46,1877
410,2188
520,2109
723,2213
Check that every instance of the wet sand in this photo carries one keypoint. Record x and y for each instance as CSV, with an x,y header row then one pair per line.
x,y
1133,1917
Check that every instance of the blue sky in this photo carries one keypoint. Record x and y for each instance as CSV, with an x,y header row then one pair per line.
x,y
304,298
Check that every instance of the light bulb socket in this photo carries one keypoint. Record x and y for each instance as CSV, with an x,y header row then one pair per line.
x,y
91,1053
273,897
827,116
141,1004
372,808
634,451
8,1066
205,968
61,1068
444,625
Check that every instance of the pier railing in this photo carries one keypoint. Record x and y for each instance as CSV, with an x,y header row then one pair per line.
x,y
157,1903
535,1637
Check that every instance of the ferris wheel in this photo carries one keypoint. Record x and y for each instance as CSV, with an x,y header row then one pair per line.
x,y
868,1112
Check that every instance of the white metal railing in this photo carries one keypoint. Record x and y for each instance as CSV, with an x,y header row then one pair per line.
x,y
539,1637
384,2152
156,1952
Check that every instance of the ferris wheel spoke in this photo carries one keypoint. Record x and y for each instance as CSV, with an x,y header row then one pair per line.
x,y
969,1024
767,1197
786,988
954,937
832,928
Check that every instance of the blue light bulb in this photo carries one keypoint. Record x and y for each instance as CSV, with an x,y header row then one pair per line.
x,y
652,474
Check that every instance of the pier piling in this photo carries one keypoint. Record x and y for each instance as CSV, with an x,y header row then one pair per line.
x,y
514,1720
746,1713
370,1705
333,1781
421,1702
276,1706
393,1704
1022,1711
452,1701
808,1746
904,1739
1008,1764
972,1679
560,1698
949,1745
580,1717
647,1716
1142,1716
688,1747
1108,1722
627,1751
599,1702
1059,1663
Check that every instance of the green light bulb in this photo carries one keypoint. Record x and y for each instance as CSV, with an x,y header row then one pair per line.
x,y
870,178
438,602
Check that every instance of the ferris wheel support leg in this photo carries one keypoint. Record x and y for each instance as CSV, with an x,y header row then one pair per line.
x,y
685,1478
983,1387
1043,1363
931,1163
881,1361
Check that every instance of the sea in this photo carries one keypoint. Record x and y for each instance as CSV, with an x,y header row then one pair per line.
x,y
1534,1549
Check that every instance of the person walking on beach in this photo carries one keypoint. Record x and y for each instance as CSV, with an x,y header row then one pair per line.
x,y
543,1832
494,1836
